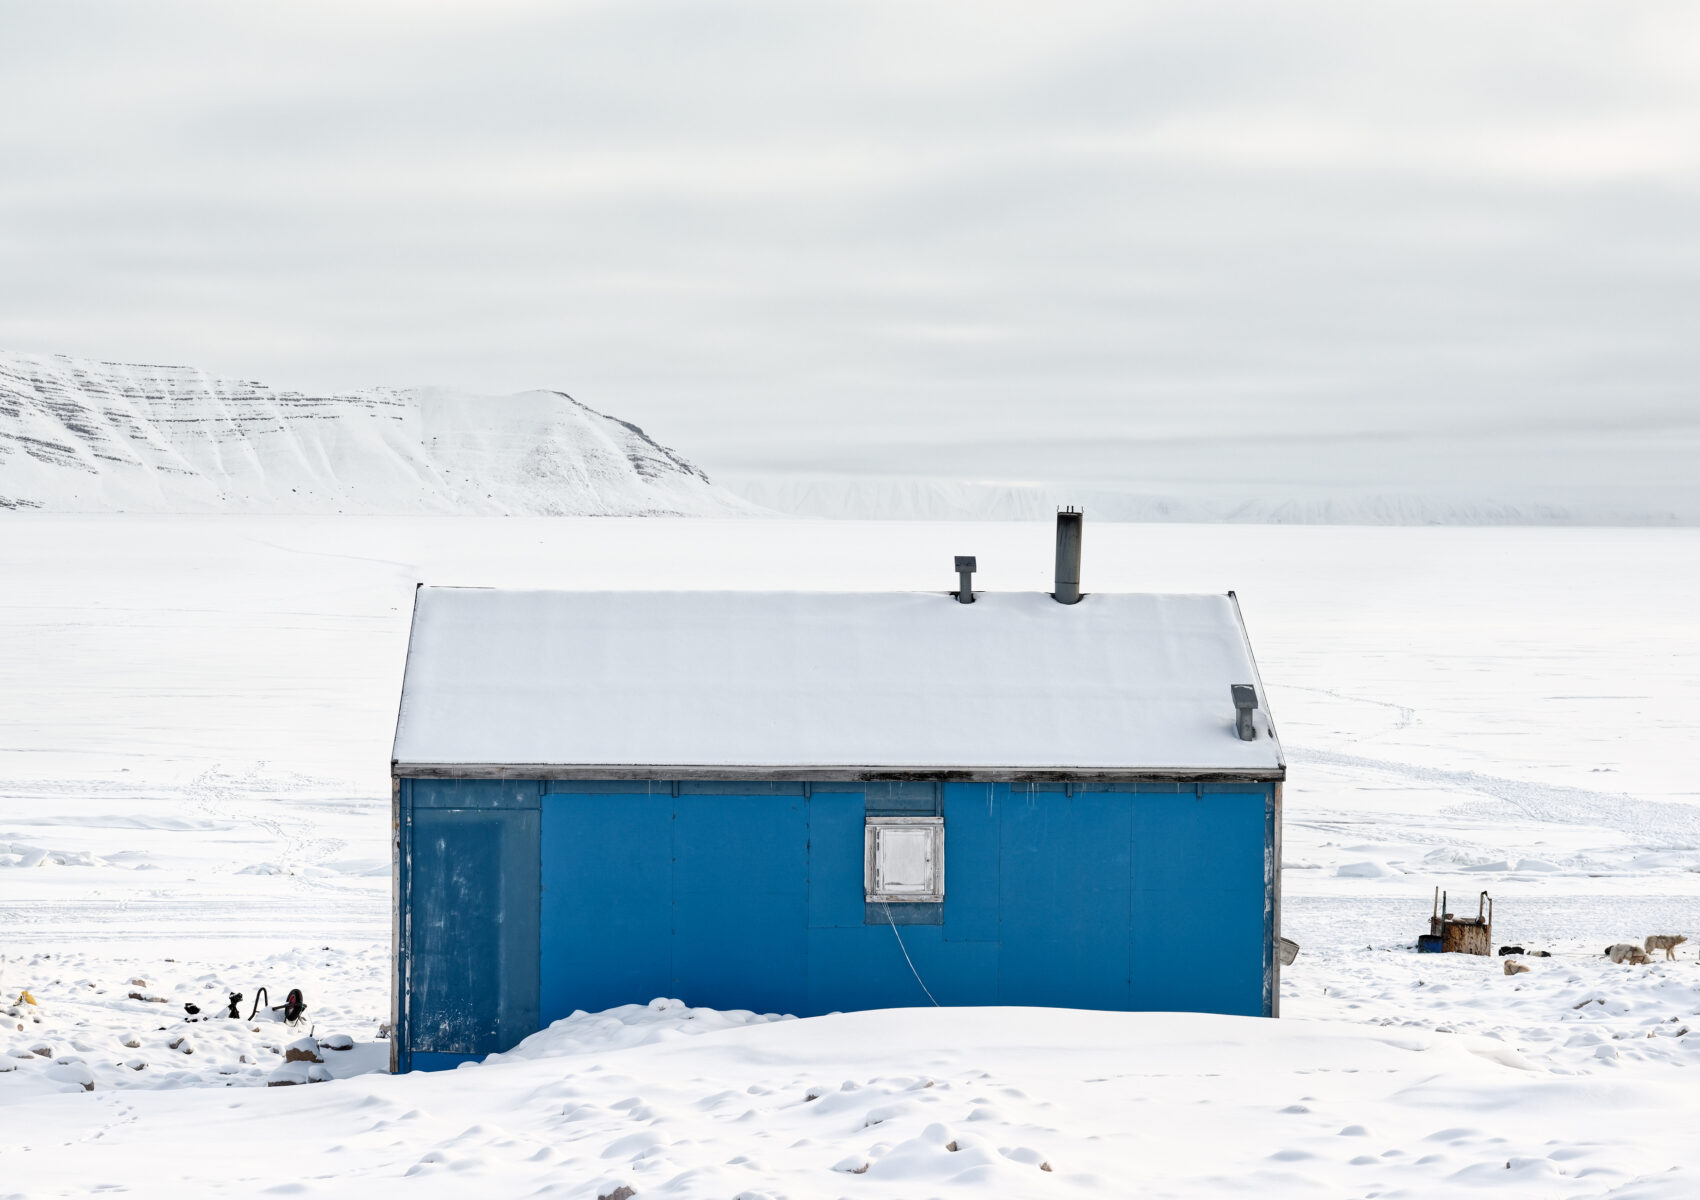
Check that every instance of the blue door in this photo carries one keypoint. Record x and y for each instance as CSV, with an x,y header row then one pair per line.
x,y
472,932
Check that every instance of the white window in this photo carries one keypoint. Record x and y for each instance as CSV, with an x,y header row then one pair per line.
x,y
905,860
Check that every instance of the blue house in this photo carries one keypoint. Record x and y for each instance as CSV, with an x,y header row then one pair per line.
x,y
813,802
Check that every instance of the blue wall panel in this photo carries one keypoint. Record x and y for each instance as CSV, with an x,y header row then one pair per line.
x,y
1065,900
607,917
740,901
739,896
836,821
972,860
1198,875
852,969
474,793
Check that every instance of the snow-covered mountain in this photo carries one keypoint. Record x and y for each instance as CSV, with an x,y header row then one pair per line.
x,y
84,436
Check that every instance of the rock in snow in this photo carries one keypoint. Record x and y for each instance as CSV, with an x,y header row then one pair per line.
x,y
84,436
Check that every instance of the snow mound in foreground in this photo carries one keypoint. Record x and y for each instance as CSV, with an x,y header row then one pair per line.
x,y
661,1020
1003,1102
84,436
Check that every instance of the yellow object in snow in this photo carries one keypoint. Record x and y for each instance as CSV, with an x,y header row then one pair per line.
x,y
25,998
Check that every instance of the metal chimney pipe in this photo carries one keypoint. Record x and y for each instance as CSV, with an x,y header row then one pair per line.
x,y
1070,525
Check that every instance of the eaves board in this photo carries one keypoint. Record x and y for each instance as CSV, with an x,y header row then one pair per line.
x,y
830,773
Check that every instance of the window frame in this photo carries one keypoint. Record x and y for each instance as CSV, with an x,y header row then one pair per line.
x,y
870,850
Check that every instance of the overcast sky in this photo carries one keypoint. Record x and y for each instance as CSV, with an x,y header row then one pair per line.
x,y
986,241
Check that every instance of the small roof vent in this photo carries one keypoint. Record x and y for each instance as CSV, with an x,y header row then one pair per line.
x,y
1245,703
965,568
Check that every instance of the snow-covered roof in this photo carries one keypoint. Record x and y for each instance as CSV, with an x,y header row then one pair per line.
x,y
817,681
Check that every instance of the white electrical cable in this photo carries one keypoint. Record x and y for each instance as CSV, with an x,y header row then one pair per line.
x,y
906,957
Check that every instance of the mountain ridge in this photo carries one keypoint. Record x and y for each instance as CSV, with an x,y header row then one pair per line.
x,y
82,435
874,497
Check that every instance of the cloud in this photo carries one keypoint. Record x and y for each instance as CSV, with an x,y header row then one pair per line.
x,y
967,239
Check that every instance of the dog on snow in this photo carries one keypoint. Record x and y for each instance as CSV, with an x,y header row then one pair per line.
x,y
1627,952
1668,942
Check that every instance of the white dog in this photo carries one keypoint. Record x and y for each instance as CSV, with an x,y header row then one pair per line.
x,y
1668,942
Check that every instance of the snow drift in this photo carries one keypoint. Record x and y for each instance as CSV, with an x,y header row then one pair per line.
x,y
84,436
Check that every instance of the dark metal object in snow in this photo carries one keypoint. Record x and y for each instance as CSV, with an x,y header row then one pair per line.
x,y
1459,935
1070,526
292,1007
965,568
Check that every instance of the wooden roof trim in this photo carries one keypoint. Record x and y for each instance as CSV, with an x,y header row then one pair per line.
x,y
830,773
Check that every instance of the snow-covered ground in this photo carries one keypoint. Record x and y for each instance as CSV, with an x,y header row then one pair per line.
x,y
195,716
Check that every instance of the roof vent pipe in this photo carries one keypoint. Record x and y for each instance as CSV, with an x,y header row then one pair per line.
x,y
965,567
1245,703
1070,523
